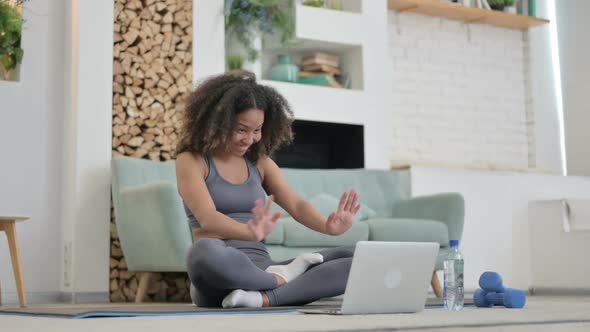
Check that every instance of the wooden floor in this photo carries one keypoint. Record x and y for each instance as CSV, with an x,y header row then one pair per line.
x,y
540,314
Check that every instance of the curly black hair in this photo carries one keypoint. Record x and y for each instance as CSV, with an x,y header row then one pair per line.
x,y
210,114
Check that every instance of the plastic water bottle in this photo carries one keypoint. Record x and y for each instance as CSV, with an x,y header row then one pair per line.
x,y
453,282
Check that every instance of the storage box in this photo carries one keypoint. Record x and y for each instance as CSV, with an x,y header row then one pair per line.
x,y
560,245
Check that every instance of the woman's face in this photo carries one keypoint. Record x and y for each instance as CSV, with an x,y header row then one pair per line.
x,y
247,131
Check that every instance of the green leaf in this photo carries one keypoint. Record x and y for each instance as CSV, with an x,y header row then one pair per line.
x,y
11,38
18,54
7,62
280,14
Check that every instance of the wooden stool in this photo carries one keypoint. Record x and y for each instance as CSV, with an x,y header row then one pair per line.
x,y
438,291
7,224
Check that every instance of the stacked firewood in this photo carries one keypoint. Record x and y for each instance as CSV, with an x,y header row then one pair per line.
x,y
152,75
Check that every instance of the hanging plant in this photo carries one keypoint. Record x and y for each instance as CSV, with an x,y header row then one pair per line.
x,y
245,18
11,53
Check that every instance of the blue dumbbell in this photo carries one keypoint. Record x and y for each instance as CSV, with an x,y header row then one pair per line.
x,y
492,292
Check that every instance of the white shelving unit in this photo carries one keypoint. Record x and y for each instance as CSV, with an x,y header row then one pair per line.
x,y
358,34
326,28
343,26
322,30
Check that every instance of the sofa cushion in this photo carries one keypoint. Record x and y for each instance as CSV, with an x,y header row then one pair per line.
x,y
297,235
327,204
408,230
377,188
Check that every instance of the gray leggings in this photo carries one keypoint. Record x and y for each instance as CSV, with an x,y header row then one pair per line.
x,y
216,267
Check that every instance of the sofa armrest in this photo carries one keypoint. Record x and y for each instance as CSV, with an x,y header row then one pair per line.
x,y
447,207
153,228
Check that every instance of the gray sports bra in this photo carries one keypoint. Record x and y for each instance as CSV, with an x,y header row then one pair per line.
x,y
234,200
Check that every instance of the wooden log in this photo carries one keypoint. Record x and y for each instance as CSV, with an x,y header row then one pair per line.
x,y
125,138
163,84
114,263
118,9
114,232
135,141
116,252
131,121
168,18
131,14
160,7
116,142
155,155
140,153
145,14
148,145
117,130
131,36
147,137
128,150
134,131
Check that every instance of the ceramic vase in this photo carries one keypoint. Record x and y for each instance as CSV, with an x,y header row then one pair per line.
x,y
285,70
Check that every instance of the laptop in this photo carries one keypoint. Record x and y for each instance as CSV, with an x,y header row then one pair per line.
x,y
387,277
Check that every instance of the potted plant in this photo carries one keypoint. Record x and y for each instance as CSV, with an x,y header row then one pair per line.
x,y
235,61
500,4
314,3
11,54
247,20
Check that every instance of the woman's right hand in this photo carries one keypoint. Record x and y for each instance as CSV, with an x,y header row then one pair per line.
x,y
263,223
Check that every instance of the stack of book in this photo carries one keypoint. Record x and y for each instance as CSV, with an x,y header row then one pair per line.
x,y
321,69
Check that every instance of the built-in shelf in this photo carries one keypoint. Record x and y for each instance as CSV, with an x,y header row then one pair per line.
x,y
311,102
325,30
342,33
350,62
466,14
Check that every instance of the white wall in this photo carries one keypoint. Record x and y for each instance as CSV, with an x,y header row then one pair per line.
x,y
574,54
496,230
31,125
210,36
56,149
543,100
458,93
87,154
439,64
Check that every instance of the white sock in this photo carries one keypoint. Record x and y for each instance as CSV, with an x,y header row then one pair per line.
x,y
296,268
242,298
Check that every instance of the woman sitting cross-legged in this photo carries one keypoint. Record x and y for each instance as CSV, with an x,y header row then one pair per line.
x,y
231,126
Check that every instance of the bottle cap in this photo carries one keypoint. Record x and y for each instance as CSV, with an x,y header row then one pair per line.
x,y
454,243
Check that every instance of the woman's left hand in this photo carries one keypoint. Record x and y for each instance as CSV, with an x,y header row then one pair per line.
x,y
340,221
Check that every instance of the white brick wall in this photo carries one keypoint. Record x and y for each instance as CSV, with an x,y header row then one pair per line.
x,y
458,94
528,100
